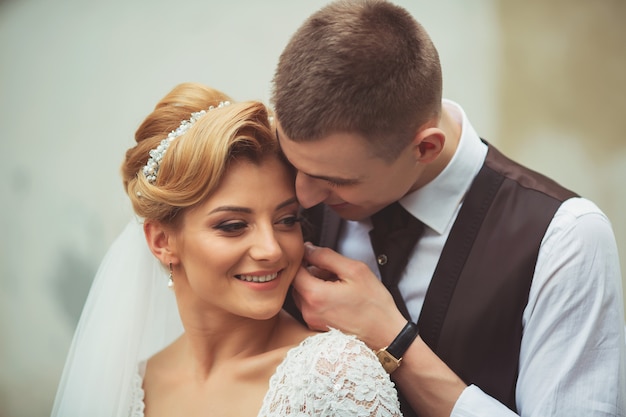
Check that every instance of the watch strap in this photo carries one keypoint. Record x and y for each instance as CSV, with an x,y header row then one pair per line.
x,y
403,340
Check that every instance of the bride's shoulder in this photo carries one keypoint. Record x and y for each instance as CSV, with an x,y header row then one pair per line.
x,y
335,340
338,364
162,368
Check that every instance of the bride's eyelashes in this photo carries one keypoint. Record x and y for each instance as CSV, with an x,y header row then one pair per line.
x,y
237,227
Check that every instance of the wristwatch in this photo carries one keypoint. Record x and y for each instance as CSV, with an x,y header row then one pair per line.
x,y
391,356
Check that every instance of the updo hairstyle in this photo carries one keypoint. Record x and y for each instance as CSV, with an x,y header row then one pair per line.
x,y
196,161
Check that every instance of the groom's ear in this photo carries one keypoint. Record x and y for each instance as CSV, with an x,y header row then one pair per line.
x,y
428,144
161,241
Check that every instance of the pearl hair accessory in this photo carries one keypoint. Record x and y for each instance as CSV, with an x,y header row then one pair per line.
x,y
151,169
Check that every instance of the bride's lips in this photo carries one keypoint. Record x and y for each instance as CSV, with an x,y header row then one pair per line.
x,y
258,277
262,280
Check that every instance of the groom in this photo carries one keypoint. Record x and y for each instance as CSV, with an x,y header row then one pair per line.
x,y
494,291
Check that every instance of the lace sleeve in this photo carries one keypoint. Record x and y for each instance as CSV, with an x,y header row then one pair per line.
x,y
331,374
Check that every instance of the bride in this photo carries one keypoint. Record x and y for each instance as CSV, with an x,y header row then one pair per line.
x,y
218,224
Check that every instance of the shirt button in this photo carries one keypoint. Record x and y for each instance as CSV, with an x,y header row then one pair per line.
x,y
381,259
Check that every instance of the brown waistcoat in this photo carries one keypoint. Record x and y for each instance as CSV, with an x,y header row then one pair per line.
x,y
472,314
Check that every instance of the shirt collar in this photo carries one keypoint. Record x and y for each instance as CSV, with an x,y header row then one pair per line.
x,y
436,203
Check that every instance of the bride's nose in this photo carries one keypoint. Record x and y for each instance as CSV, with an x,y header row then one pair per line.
x,y
265,245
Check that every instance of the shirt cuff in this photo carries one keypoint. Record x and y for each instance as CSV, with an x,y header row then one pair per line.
x,y
473,402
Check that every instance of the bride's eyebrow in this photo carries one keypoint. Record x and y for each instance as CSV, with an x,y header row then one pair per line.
x,y
287,202
231,208
239,209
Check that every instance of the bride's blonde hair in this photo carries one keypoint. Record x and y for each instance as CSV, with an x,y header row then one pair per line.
x,y
195,161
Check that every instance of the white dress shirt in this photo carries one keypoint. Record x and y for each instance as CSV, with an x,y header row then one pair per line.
x,y
573,355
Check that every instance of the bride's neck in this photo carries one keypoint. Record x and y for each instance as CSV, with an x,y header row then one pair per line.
x,y
228,339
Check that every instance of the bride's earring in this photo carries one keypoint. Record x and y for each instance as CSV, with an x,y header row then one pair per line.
x,y
170,282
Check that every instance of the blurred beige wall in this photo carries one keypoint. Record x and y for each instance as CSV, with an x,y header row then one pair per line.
x,y
562,97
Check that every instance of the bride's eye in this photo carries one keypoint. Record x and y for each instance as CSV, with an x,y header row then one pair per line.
x,y
232,227
290,220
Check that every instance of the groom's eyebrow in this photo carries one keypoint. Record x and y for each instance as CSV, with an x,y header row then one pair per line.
x,y
335,180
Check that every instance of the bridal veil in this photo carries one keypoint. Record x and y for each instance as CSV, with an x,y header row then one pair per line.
x,y
129,315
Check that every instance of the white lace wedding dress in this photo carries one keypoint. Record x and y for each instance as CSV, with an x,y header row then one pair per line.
x,y
328,374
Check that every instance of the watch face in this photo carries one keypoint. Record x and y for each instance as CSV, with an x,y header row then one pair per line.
x,y
388,362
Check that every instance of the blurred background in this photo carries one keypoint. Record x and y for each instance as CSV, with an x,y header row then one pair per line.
x,y
543,81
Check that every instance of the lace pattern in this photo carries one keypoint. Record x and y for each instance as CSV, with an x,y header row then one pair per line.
x,y
331,374
137,404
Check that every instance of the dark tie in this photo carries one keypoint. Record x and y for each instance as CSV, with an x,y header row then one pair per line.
x,y
393,237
